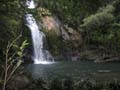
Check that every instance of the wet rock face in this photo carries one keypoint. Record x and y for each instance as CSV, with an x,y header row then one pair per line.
x,y
51,23
28,55
75,37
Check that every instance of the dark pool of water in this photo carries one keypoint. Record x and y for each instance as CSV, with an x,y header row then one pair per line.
x,y
76,70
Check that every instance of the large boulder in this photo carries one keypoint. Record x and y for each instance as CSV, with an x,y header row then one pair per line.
x,y
75,37
53,23
18,82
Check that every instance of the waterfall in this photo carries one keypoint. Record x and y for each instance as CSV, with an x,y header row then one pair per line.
x,y
30,4
41,56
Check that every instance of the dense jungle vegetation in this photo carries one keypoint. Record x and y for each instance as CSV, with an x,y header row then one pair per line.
x,y
97,21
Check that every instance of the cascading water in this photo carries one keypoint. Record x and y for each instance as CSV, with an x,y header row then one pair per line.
x,y
41,56
30,4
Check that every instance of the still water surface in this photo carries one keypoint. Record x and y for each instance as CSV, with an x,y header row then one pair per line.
x,y
76,70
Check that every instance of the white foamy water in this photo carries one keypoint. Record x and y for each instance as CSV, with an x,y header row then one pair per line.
x,y
30,4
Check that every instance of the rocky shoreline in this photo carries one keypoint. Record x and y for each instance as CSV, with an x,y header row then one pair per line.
x,y
92,55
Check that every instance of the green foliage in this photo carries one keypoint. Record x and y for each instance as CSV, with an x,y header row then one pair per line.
x,y
72,12
10,21
56,84
12,60
102,28
67,84
100,20
54,41
21,49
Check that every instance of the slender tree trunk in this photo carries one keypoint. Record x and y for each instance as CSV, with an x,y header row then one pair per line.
x,y
6,61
